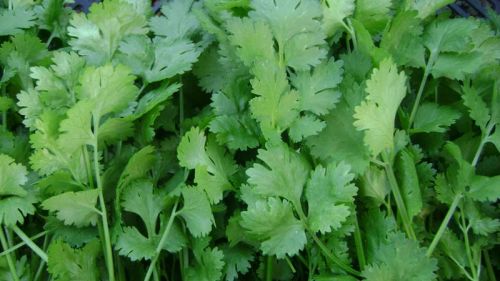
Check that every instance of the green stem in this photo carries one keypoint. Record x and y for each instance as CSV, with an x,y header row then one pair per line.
x,y
444,225
163,238
42,263
34,247
333,258
102,203
465,231
358,242
290,264
181,109
484,140
269,268
427,71
19,245
489,267
321,245
4,120
398,198
11,264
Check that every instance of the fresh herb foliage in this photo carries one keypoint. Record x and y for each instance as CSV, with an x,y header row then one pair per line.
x,y
248,140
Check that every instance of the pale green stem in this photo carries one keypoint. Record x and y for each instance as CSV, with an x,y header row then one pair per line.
x,y
444,225
427,71
10,262
358,242
19,245
399,199
465,231
489,267
328,254
163,239
102,203
34,247
269,268
484,140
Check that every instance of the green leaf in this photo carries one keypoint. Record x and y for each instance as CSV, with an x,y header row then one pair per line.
x,y
431,117
74,208
273,223
317,89
373,14
210,263
14,21
284,174
114,130
110,88
236,261
191,150
347,145
196,211
276,105
450,35
97,35
484,188
330,194
409,183
253,40
375,184
66,263
458,66
12,177
403,40
139,198
305,126
478,110
334,13
386,89
171,58
426,8
178,20
53,16
76,130
400,259
131,243
301,40
138,166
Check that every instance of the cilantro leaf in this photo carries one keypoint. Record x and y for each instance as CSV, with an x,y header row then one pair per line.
x,y
12,177
178,20
66,263
210,263
74,208
274,224
16,202
284,174
299,41
317,89
196,211
276,105
14,21
253,40
399,258
53,16
386,89
96,36
431,117
426,8
403,40
373,14
334,13
330,194
110,88
236,260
